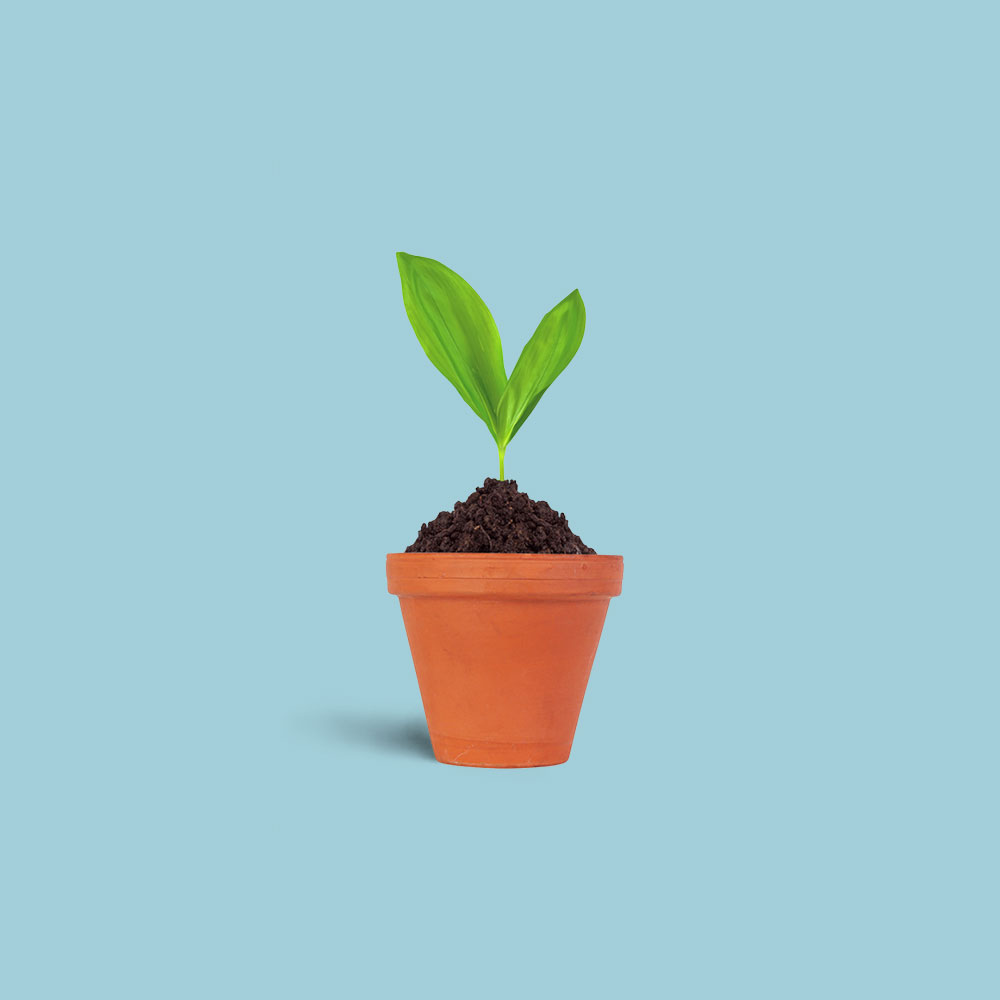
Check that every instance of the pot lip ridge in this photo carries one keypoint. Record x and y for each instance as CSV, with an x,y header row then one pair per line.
x,y
416,560
579,571
502,555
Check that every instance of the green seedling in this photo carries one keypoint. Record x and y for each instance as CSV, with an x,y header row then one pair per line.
x,y
458,334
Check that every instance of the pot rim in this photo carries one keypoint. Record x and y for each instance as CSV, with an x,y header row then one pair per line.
x,y
507,555
429,572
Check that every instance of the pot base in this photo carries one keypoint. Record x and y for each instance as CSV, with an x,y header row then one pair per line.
x,y
486,753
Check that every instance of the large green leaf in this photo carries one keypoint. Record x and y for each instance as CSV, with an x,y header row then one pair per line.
x,y
456,331
549,351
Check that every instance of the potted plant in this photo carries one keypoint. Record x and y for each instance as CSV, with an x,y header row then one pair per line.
x,y
503,605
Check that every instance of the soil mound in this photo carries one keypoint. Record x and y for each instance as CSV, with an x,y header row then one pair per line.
x,y
497,518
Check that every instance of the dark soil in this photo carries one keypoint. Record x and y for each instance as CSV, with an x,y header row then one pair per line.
x,y
496,518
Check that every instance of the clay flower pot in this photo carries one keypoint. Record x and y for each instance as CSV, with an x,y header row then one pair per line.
x,y
503,646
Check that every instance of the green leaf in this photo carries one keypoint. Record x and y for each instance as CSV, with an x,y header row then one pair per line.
x,y
456,331
549,351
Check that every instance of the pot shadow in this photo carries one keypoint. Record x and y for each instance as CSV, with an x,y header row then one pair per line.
x,y
382,733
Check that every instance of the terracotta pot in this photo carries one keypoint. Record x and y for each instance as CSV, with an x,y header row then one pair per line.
x,y
503,646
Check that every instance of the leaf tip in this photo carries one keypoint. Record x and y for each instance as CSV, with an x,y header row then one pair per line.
x,y
403,263
575,299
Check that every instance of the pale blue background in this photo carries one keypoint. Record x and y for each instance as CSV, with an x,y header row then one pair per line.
x,y
216,422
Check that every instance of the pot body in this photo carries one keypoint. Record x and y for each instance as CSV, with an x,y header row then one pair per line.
x,y
503,646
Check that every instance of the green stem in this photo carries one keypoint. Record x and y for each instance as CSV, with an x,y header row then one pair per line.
x,y
500,451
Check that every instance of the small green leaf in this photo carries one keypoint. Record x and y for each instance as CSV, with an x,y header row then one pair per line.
x,y
456,331
549,351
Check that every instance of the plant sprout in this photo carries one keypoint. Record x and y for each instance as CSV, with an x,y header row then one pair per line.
x,y
458,334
